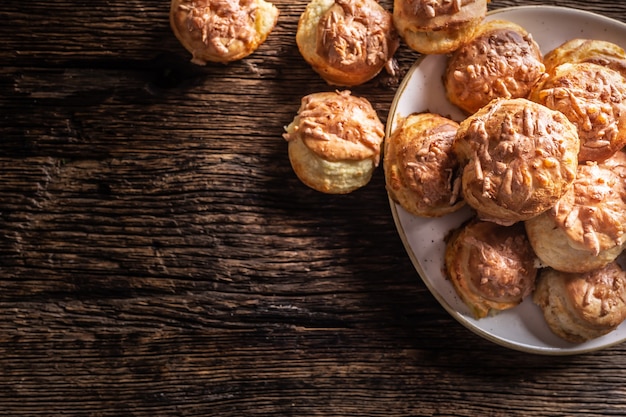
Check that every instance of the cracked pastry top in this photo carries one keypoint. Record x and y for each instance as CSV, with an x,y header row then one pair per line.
x,y
347,42
334,141
586,229
502,60
222,30
582,306
491,267
437,26
593,97
421,170
518,157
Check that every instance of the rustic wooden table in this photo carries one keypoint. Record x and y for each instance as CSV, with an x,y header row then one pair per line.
x,y
159,257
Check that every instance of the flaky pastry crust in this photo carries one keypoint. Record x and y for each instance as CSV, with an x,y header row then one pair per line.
x,y
422,173
586,229
491,267
334,141
593,97
581,307
437,26
518,157
595,51
222,30
502,60
347,42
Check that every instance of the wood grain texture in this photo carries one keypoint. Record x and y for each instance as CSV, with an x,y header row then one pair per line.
x,y
159,257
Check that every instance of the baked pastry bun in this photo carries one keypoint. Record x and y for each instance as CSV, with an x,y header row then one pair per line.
x,y
593,97
437,26
518,157
335,141
586,229
502,60
594,51
422,173
491,267
222,30
347,42
581,307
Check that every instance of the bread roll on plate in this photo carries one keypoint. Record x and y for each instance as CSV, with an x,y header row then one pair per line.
x,y
586,229
502,60
593,97
222,30
422,173
347,42
581,307
437,26
491,267
595,51
519,158
334,141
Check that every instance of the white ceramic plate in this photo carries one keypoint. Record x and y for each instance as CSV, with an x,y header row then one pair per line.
x,y
522,328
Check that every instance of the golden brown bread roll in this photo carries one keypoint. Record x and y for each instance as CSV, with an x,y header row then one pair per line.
x,y
335,141
347,42
501,61
222,30
595,51
491,267
518,157
437,26
422,172
581,307
586,229
593,97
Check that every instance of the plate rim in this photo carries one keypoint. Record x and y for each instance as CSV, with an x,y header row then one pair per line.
x,y
390,127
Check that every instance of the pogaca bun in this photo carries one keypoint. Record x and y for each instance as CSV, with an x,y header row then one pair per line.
x,y
421,170
519,158
593,97
437,27
581,307
334,141
595,51
222,30
491,267
502,60
347,42
586,229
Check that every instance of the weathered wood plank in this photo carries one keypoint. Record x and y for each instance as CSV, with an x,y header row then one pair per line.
x,y
159,257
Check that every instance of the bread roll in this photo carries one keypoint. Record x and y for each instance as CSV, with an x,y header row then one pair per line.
x,y
595,51
347,42
491,267
501,61
586,229
519,158
581,307
334,141
422,173
437,26
222,30
593,97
